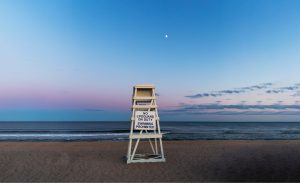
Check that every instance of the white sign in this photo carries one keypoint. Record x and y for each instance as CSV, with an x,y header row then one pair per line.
x,y
145,120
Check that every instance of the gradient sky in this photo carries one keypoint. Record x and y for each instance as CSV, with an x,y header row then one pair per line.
x,y
223,60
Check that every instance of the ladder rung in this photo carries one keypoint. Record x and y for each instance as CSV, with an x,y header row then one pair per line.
x,y
144,136
144,106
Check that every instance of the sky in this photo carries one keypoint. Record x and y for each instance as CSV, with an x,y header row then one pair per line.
x,y
222,60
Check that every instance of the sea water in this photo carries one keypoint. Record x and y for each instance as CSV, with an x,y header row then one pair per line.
x,y
118,131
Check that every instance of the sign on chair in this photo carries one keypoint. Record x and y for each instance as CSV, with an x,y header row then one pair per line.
x,y
145,125
145,120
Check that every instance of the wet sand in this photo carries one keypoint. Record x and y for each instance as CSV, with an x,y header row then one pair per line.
x,y
228,160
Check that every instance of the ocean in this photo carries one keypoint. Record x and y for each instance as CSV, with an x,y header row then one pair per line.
x,y
118,131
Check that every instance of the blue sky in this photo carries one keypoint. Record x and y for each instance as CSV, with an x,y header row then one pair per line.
x,y
223,60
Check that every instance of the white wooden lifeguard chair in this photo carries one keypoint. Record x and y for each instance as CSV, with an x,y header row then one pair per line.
x,y
145,125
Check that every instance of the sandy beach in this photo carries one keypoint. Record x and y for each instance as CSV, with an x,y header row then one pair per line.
x,y
186,161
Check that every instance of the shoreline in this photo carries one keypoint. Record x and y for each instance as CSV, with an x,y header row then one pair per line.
x,y
187,160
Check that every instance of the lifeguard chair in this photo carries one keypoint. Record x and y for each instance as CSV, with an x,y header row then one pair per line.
x,y
145,125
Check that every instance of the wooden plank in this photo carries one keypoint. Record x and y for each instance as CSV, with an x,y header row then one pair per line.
x,y
144,136
150,160
144,106
143,98
144,86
